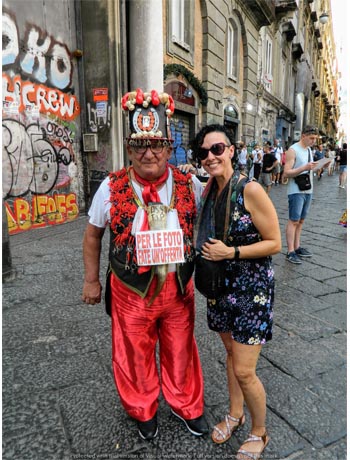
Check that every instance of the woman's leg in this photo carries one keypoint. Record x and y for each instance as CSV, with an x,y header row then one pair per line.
x,y
235,392
244,361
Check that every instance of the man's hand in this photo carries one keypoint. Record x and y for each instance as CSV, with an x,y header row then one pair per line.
x,y
92,292
311,165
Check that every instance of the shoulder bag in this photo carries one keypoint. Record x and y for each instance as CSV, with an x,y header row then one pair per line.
x,y
209,276
303,181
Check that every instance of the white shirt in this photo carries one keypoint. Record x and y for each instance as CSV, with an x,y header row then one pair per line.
x,y
242,157
99,211
278,152
255,156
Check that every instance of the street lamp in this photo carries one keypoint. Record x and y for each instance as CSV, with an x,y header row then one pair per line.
x,y
188,92
324,18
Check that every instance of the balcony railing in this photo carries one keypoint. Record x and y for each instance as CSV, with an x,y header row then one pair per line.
x,y
289,29
264,11
284,6
297,50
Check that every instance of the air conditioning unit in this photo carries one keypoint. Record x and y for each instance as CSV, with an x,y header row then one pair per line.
x,y
90,142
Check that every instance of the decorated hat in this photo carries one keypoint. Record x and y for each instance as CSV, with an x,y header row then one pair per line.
x,y
149,114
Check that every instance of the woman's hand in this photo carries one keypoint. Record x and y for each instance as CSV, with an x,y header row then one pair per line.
x,y
216,250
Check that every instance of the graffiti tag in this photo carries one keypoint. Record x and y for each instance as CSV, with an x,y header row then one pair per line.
x,y
44,210
40,56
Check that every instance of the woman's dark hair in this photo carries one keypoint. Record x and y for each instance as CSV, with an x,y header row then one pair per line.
x,y
197,142
345,146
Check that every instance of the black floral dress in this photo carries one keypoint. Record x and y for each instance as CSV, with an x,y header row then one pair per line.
x,y
246,308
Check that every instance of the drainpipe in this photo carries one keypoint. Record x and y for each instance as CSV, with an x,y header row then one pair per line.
x,y
82,101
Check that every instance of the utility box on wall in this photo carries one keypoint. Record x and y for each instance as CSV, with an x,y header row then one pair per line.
x,y
90,142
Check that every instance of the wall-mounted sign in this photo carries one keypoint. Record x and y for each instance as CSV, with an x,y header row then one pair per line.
x,y
100,94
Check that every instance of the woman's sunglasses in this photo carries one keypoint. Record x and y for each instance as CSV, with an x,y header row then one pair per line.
x,y
215,149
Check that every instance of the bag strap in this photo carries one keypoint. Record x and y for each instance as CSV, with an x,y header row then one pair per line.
x,y
236,190
231,194
310,158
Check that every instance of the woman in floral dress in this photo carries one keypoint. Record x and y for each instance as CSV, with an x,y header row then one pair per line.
x,y
237,211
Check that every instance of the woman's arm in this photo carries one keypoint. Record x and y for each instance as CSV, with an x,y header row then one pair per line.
x,y
265,219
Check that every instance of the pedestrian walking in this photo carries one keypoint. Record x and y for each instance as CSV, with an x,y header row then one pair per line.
x,y
257,161
148,303
242,157
343,165
269,164
319,155
242,314
299,163
278,151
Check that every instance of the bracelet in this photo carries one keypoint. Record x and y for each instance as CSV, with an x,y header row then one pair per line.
x,y
237,253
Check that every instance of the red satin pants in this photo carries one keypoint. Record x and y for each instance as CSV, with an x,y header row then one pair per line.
x,y
136,329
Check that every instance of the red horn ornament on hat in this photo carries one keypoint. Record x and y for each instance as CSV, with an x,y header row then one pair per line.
x,y
148,113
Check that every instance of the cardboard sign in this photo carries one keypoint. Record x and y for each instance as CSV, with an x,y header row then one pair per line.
x,y
159,247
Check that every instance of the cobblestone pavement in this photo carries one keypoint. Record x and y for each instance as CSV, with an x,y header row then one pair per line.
x,y
59,398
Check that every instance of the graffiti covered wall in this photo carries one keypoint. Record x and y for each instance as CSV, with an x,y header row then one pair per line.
x,y
41,164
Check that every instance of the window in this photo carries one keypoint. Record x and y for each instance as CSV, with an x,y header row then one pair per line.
x,y
268,64
284,80
180,25
180,35
232,57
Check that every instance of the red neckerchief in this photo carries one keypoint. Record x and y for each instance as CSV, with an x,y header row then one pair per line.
x,y
150,193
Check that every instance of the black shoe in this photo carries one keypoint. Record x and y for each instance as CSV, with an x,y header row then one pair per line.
x,y
197,426
293,258
148,430
302,252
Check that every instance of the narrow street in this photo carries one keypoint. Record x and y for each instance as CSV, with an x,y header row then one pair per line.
x,y
59,398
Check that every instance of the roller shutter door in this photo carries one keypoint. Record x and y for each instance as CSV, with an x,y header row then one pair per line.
x,y
180,132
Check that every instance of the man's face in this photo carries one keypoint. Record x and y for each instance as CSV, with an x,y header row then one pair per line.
x,y
310,139
149,157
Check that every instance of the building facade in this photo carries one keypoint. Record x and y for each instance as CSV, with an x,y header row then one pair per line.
x,y
264,68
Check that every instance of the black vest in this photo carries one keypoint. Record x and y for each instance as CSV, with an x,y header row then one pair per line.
x,y
140,283
122,260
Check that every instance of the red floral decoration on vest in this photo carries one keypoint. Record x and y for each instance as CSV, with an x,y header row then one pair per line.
x,y
124,206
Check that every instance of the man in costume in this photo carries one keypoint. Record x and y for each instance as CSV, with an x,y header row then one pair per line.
x,y
150,208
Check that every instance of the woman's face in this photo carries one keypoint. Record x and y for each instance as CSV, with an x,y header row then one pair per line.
x,y
219,165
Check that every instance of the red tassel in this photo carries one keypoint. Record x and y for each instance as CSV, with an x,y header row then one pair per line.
x,y
171,106
125,100
155,98
139,96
